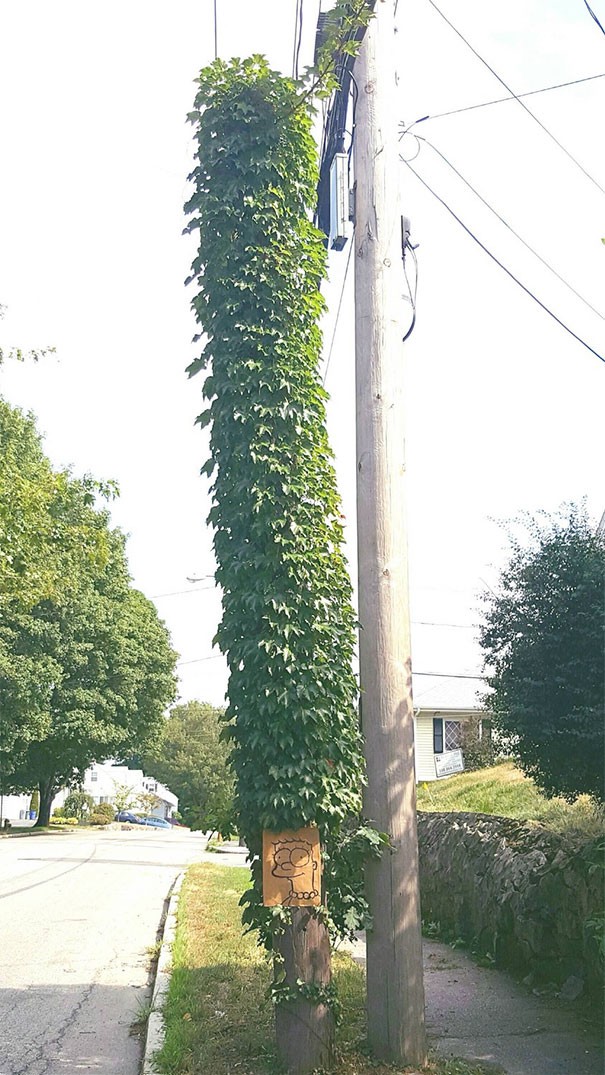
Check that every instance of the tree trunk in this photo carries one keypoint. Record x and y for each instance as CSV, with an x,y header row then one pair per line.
x,y
47,794
304,1030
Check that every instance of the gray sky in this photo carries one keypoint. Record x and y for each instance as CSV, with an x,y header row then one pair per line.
x,y
504,408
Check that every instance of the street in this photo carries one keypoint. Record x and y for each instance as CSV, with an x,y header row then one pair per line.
x,y
79,914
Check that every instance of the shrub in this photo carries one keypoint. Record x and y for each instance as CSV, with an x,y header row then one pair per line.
x,y
477,744
106,809
98,819
58,813
78,804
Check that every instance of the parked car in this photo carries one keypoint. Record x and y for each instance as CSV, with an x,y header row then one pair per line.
x,y
127,815
155,822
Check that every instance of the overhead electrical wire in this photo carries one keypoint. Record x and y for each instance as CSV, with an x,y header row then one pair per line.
x,y
517,98
408,247
298,26
420,138
511,97
177,593
338,309
503,267
592,14
215,32
447,675
437,675
200,660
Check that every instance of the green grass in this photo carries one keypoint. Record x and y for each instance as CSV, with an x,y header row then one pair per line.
x,y
218,1019
503,789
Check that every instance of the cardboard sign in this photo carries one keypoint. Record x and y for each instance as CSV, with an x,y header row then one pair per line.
x,y
292,868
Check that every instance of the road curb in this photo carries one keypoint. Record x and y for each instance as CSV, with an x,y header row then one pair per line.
x,y
155,1024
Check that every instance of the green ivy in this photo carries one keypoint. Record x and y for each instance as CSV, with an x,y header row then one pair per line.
x,y
343,33
288,625
282,993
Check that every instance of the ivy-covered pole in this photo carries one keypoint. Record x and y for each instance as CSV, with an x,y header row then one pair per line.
x,y
287,628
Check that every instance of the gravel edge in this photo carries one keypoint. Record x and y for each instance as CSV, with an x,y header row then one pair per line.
x,y
155,1024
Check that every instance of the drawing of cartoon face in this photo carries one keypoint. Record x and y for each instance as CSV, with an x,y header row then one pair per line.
x,y
292,868
291,860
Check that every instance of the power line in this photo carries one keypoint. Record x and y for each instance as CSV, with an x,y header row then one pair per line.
x,y
516,96
550,268
437,675
592,14
342,291
177,593
298,25
215,32
460,626
447,675
200,660
503,267
511,97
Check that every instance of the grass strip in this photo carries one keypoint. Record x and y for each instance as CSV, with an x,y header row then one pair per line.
x,y
217,1016
504,790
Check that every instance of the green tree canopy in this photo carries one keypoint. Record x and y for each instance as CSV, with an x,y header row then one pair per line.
x,y
86,667
191,759
543,645
48,536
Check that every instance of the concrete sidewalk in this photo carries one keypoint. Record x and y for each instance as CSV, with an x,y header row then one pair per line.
x,y
484,1015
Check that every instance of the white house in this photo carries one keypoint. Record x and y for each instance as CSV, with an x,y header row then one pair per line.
x,y
101,782
104,779
442,706
14,808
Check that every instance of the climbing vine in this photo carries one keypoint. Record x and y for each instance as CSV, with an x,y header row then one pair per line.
x,y
287,627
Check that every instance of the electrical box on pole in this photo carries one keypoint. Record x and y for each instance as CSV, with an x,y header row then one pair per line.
x,y
339,200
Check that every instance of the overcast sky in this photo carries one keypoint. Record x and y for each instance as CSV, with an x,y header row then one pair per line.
x,y
505,409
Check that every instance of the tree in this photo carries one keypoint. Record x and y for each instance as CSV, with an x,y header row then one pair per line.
x,y
17,353
48,537
78,804
543,645
124,796
108,664
147,801
191,759
288,625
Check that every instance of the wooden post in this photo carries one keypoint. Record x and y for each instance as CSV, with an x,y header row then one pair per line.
x,y
304,1030
394,946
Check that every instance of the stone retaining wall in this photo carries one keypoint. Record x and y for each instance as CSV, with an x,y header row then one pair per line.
x,y
515,892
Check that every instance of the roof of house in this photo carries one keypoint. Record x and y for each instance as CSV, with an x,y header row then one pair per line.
x,y
447,692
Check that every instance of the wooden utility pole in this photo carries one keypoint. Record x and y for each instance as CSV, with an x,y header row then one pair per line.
x,y
394,946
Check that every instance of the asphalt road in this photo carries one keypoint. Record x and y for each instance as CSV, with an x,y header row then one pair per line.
x,y
78,914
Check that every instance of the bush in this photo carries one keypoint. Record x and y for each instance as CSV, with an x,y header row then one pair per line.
x,y
477,744
78,804
98,819
106,809
58,813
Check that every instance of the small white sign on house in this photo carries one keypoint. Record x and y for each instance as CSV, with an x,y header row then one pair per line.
x,y
451,761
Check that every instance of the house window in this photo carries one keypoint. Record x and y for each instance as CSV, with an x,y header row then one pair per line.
x,y
94,777
446,735
453,735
